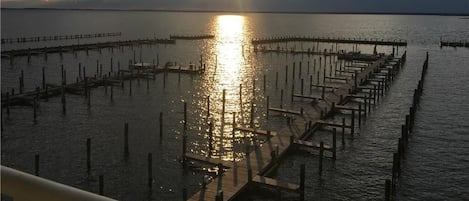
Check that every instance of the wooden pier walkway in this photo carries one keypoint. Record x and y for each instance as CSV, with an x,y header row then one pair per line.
x,y
328,40
259,161
193,37
59,37
9,54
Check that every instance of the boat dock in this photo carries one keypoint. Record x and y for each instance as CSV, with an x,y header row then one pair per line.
x,y
363,41
259,161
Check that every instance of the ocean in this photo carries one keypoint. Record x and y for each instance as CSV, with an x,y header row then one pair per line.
x,y
435,165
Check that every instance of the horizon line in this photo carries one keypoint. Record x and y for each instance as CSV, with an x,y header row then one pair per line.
x,y
234,11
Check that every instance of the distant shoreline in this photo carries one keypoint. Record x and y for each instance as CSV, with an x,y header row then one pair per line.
x,y
231,11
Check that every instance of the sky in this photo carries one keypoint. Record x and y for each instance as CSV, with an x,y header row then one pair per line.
x,y
397,6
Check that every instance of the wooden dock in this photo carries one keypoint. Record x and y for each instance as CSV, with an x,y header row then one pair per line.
x,y
328,40
192,37
259,161
9,54
59,37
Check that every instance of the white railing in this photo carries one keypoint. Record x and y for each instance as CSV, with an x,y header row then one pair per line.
x,y
26,187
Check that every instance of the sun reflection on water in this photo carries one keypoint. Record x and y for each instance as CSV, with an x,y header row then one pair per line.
x,y
228,70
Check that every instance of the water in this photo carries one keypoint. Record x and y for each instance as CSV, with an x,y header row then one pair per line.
x,y
435,163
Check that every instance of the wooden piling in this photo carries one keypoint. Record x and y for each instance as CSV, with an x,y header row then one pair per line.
x,y
276,80
387,190
150,169
101,184
321,155
34,109
36,164
334,143
343,131
185,116
286,74
352,123
281,99
359,115
43,78
88,155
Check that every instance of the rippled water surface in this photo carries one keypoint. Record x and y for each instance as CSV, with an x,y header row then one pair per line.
x,y
436,163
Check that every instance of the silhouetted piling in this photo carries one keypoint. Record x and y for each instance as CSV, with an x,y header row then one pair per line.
x,y
36,164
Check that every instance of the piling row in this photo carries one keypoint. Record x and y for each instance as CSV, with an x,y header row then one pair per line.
x,y
406,131
366,41
59,37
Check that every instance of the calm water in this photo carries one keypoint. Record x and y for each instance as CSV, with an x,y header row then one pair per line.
x,y
436,163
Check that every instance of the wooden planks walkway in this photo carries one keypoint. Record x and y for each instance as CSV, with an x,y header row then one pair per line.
x,y
262,158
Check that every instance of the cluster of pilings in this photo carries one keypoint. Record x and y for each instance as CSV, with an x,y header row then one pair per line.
x,y
83,82
406,130
59,37
366,92
126,153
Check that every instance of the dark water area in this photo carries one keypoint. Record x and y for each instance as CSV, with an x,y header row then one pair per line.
x,y
436,162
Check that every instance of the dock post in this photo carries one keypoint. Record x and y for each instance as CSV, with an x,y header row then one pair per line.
x,y
323,92
185,116
210,136
308,70
36,164
334,143
359,115
365,106
265,85
286,74
126,139
64,109
374,95
299,72
112,93
302,182
43,78
184,194
343,131
34,109
251,121
130,86
101,184
281,99
302,86
184,149
267,107
352,123
293,72
150,170
321,155
276,80
8,103
208,107
387,190
88,156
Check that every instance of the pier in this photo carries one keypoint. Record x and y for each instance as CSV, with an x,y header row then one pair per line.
x,y
363,41
10,54
59,37
254,168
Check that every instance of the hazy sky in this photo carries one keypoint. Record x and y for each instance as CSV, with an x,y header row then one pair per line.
x,y
420,6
